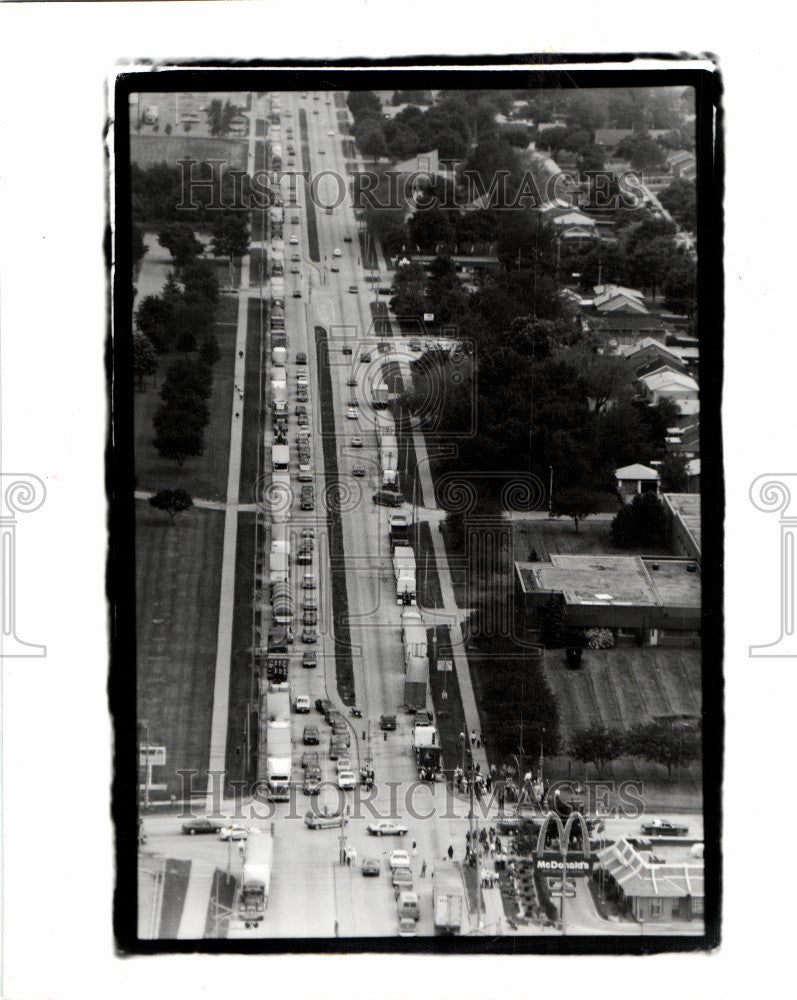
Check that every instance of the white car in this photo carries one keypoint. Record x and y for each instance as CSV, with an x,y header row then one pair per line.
x,y
295,240
342,764
336,252
330,133
351,413
302,704
399,859
386,828
346,780
233,831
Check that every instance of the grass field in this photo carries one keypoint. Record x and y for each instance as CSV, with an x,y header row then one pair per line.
x,y
178,575
241,662
204,477
545,535
148,149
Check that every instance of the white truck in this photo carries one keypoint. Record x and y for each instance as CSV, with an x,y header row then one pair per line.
x,y
278,743
280,457
255,878
448,898
413,633
279,398
279,357
279,561
388,461
404,570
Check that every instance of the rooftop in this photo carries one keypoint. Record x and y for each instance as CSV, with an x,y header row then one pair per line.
x,y
685,508
633,871
636,472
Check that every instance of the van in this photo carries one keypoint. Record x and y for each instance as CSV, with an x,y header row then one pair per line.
x,y
388,498
408,905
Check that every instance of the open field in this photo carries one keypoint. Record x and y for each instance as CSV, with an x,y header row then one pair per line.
x,y
204,477
148,149
178,574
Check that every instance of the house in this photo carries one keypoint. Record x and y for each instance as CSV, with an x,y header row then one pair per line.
x,y
645,601
634,479
657,884
664,383
682,164
615,298
649,355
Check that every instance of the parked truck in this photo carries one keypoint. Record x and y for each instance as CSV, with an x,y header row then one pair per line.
x,y
280,457
277,659
256,877
448,898
279,398
278,742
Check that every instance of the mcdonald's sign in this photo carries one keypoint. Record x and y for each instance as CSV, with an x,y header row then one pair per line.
x,y
564,861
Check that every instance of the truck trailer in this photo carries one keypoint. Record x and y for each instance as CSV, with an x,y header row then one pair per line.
x,y
448,898
256,877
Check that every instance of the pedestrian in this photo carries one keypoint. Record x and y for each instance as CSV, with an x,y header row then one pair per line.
x,y
237,415
384,735
423,869
336,929
478,742
240,354
478,768
489,782
450,853
414,849
467,837
363,734
352,855
473,737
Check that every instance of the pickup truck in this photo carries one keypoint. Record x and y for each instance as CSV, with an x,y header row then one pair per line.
x,y
664,828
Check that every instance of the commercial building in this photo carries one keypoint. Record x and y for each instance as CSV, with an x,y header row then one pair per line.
x,y
654,887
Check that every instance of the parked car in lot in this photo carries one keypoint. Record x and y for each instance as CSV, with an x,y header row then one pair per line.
x,y
295,270
387,723
323,705
346,349
386,828
309,635
303,420
351,383
308,532
358,470
346,780
365,359
310,618
301,395
664,828
324,819
302,704
336,252
295,258
353,401
399,859
305,476
300,408
195,826
304,558
423,718
334,269
294,241
309,659
297,293
310,736
337,749
308,581
371,867
307,504
342,764
310,604
233,831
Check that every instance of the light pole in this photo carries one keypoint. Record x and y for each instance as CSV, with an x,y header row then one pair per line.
x,y
550,490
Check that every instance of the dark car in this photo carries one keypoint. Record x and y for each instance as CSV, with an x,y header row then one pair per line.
x,y
365,358
324,819
311,785
200,826
310,759
423,718
310,736
309,659
347,350
371,867
301,358
347,239
664,828
387,723
323,705
310,618
388,498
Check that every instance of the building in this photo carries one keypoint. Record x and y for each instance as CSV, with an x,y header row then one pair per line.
x,y
655,886
646,601
649,354
664,383
684,513
634,479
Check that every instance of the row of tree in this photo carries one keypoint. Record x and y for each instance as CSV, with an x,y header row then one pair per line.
x,y
671,746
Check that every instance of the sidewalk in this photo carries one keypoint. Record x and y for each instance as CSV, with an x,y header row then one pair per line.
x,y
197,898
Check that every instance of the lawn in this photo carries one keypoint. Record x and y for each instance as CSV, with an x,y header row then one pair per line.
x,y
148,149
178,575
205,476
241,660
544,535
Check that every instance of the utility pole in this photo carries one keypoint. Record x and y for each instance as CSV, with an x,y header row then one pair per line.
x,y
550,490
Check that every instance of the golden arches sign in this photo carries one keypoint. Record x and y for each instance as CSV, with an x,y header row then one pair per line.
x,y
564,861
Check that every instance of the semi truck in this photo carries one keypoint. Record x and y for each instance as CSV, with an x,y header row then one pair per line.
x,y
413,633
404,570
416,679
399,530
280,457
282,604
379,398
388,461
277,659
279,357
278,742
279,399
256,877
448,898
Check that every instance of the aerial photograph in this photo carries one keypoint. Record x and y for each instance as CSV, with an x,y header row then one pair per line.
x,y
420,643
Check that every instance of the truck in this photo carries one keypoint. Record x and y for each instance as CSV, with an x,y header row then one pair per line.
x,y
399,530
404,570
379,397
415,681
277,658
448,898
282,604
279,398
278,742
280,456
279,357
255,878
388,461
413,634
279,560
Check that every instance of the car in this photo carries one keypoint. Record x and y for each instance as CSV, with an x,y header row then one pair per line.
x,y
343,764
321,152
310,618
358,471
334,269
295,270
308,532
295,258
291,163
347,239
311,604
330,132
365,359
297,294
313,771
301,379
304,559
346,780
351,413
399,859
664,828
308,582
423,719
309,634
303,420
301,358
351,382
306,504
310,759
415,345
306,544
346,349
387,723
309,659
342,737
315,111
233,831
305,476
311,785
407,927
337,749
310,736
402,879
300,408
371,868
324,820
332,716
195,826
323,705
386,828
302,397
295,220
353,289
302,704
352,401
294,241
356,442
336,252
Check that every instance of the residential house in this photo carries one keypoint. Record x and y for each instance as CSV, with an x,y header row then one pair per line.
x,y
634,479
665,383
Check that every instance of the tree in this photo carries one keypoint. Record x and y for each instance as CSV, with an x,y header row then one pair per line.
x,y
186,342
679,284
661,743
145,361
191,374
172,501
209,349
179,239
680,200
642,152
200,278
138,248
597,745
604,376
552,620
220,116
370,138
153,318
364,104
673,473
230,239
577,504
641,524
178,435
430,227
